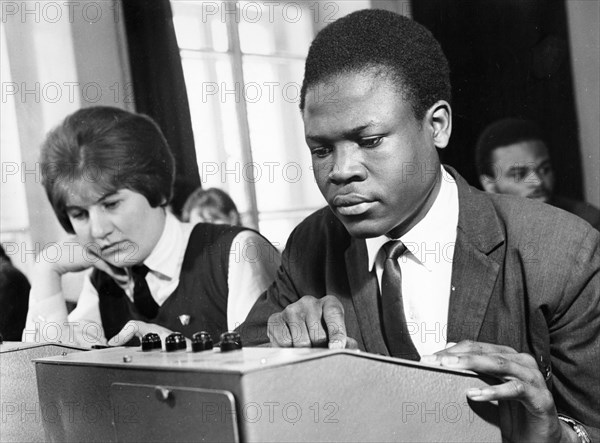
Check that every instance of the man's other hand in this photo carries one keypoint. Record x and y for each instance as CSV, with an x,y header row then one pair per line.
x,y
521,382
310,322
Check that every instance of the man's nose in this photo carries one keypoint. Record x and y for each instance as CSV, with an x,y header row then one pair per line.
x,y
347,166
535,178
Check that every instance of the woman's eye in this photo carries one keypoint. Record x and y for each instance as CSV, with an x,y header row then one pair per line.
x,y
111,204
77,215
371,142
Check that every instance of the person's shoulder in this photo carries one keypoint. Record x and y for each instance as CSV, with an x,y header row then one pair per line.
x,y
317,242
320,225
490,219
209,232
248,237
582,209
527,219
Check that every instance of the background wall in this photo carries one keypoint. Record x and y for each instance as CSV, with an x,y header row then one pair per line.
x,y
584,30
62,56
509,58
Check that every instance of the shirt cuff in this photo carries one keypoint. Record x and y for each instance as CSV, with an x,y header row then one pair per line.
x,y
579,429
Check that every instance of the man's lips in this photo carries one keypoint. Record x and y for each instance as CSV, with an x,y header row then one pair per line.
x,y
352,204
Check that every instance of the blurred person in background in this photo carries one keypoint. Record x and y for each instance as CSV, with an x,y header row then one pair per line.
x,y
211,205
512,158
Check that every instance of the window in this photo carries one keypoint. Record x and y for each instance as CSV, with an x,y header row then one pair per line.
x,y
243,64
14,219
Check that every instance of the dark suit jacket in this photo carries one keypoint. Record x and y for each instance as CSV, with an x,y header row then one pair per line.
x,y
581,209
526,275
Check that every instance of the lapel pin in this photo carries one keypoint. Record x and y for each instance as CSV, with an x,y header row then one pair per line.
x,y
184,319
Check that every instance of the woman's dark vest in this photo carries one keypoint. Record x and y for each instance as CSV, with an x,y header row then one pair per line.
x,y
201,294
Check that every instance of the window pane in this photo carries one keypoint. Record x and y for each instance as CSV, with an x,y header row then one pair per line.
x,y
243,64
276,28
198,25
284,183
14,216
213,99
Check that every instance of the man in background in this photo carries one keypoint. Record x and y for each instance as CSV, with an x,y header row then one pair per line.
x,y
512,158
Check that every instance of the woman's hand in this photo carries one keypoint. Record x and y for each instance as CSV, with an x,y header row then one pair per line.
x,y
136,328
62,257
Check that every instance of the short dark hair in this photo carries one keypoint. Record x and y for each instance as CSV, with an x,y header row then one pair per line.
x,y
504,132
212,199
110,147
385,41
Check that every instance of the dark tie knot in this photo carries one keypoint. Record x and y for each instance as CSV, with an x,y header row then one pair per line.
x,y
394,249
140,271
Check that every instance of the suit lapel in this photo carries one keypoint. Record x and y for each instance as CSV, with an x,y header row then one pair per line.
x,y
473,279
365,296
474,270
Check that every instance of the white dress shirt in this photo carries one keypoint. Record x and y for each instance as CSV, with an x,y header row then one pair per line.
x,y
253,264
426,269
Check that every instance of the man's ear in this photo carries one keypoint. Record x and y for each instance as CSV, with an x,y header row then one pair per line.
x,y
488,183
439,116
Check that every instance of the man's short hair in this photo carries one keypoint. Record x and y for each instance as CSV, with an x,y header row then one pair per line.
x,y
501,133
387,42
110,148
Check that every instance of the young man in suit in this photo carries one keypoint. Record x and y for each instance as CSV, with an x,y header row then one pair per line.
x,y
408,260
512,158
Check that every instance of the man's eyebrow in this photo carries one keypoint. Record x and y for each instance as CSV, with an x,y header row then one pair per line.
x,y
350,133
356,131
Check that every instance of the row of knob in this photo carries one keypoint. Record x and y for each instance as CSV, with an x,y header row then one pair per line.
x,y
201,341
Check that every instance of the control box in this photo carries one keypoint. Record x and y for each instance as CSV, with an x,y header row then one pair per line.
x,y
258,394
22,415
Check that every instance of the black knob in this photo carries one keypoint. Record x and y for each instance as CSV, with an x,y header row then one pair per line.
x,y
150,342
230,341
175,342
1,339
201,341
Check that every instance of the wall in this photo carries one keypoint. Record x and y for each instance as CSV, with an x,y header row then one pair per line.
x,y
63,56
584,31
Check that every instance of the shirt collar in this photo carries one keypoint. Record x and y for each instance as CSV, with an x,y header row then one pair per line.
x,y
171,244
433,233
